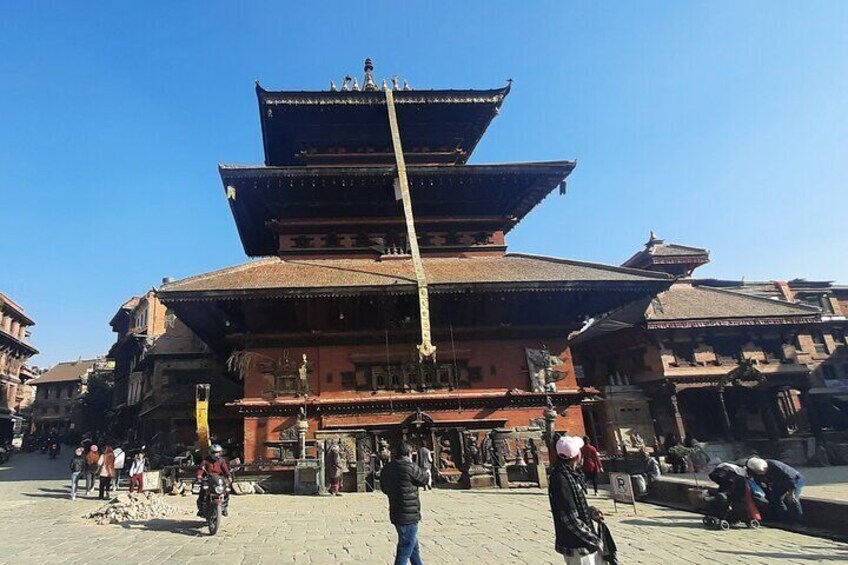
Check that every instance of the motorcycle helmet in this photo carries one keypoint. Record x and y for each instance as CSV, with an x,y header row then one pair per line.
x,y
215,448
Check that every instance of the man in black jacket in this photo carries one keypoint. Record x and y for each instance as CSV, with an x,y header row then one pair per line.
x,y
575,537
400,480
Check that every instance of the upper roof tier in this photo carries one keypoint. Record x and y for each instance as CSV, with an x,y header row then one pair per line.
x,y
493,197
351,127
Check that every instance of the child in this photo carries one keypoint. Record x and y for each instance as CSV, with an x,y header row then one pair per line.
x,y
137,472
77,468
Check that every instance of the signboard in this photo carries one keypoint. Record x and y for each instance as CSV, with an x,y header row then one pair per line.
x,y
151,480
622,489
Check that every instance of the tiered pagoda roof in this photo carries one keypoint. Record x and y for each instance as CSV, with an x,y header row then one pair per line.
x,y
493,197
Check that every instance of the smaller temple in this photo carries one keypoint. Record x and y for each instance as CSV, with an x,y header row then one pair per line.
x,y
696,361
15,350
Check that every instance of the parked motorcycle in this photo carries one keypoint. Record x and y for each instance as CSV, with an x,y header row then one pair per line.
x,y
53,450
214,497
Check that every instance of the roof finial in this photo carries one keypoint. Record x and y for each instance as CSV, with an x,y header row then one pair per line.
x,y
369,83
385,84
356,85
346,83
333,86
406,85
395,82
653,240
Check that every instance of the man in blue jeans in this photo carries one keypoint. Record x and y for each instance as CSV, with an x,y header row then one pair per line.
x,y
400,481
784,483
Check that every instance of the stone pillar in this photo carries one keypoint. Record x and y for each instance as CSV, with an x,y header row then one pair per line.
x,y
550,416
322,467
302,426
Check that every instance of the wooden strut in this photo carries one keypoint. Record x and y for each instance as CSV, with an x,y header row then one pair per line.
x,y
426,350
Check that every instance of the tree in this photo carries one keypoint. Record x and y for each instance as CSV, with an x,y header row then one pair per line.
x,y
94,404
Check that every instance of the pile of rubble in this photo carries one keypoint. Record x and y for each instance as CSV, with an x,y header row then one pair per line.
x,y
129,506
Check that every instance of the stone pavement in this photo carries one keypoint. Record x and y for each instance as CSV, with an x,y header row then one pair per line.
x,y
40,525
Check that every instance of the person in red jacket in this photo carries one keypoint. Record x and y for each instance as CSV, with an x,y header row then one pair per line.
x,y
591,464
213,464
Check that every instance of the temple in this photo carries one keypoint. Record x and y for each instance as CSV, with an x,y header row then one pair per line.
x,y
325,328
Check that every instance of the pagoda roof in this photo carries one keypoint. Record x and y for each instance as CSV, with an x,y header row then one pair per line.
x,y
336,127
511,272
687,306
259,195
658,252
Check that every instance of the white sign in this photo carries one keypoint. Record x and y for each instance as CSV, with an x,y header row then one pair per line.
x,y
622,487
151,480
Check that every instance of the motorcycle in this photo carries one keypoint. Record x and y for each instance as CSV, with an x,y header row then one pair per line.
x,y
214,498
5,453
53,449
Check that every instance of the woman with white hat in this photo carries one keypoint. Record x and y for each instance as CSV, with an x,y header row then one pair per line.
x,y
575,538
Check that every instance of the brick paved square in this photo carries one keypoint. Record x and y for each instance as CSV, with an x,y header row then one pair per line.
x,y
40,524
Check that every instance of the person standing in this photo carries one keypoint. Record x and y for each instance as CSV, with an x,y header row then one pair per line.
x,y
137,472
335,469
77,469
400,480
575,538
106,470
785,484
425,462
91,468
591,464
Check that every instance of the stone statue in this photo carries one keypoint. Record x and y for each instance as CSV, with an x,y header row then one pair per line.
x,y
636,440
488,454
303,374
445,455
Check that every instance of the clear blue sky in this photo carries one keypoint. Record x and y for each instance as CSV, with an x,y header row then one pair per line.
x,y
717,124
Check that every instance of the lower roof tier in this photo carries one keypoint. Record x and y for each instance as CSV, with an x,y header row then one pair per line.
x,y
261,197
353,299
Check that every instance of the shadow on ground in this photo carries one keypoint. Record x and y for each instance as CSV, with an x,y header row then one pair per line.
x,y
192,528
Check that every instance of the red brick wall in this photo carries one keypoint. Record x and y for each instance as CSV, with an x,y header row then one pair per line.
x,y
503,365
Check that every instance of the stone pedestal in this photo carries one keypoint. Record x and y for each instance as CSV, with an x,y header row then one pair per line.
x,y
541,476
306,476
502,477
361,476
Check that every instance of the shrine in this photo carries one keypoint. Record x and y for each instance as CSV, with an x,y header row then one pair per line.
x,y
384,304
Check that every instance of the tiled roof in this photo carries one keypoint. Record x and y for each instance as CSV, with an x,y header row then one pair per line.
x,y
685,302
673,249
518,269
65,372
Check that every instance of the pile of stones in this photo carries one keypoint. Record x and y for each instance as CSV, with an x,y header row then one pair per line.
x,y
133,506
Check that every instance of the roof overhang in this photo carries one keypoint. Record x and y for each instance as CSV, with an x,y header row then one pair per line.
x,y
332,127
501,193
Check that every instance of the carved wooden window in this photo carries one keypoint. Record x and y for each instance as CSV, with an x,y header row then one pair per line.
x,y
398,376
302,242
332,240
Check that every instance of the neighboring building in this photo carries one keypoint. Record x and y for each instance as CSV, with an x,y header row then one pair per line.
x,y
829,357
14,352
171,368
57,391
158,361
138,322
704,360
330,325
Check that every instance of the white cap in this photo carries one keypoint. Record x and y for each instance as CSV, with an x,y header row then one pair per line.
x,y
569,446
757,465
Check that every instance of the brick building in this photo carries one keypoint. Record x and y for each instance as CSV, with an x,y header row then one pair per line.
x,y
334,323
55,408
720,361
14,353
